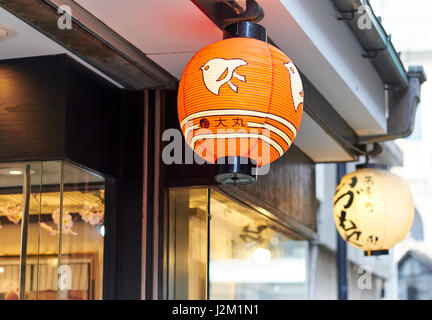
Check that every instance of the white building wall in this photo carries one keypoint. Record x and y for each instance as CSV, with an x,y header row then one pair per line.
x,y
417,169
410,24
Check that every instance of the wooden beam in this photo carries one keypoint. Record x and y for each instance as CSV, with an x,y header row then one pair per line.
x,y
94,42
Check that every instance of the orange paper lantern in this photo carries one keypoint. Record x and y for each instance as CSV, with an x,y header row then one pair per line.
x,y
240,97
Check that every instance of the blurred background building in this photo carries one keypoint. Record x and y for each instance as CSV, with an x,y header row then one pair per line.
x,y
409,25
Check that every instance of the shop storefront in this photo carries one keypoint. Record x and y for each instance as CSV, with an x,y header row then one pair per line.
x,y
58,180
193,232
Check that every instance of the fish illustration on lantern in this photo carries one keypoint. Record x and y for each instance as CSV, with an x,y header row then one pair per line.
x,y
218,71
296,85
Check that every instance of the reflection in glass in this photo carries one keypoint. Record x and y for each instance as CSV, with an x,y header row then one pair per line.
x,y
188,263
12,276
238,253
63,197
80,263
250,256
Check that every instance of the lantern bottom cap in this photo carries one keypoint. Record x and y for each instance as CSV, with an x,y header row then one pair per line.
x,y
376,252
235,171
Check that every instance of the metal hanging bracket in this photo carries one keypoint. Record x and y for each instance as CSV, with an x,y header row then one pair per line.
x,y
226,12
372,53
369,149
253,13
351,16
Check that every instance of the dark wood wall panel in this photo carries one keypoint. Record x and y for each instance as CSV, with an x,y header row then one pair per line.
x,y
93,119
32,108
129,212
123,252
290,187
287,191
52,107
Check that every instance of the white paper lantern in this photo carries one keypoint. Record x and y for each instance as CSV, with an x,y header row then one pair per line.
x,y
373,209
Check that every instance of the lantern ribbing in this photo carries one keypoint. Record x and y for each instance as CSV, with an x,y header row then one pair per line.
x,y
240,97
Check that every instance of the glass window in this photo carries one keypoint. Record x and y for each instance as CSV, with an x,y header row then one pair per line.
x,y
188,244
250,256
82,239
236,254
13,270
58,254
